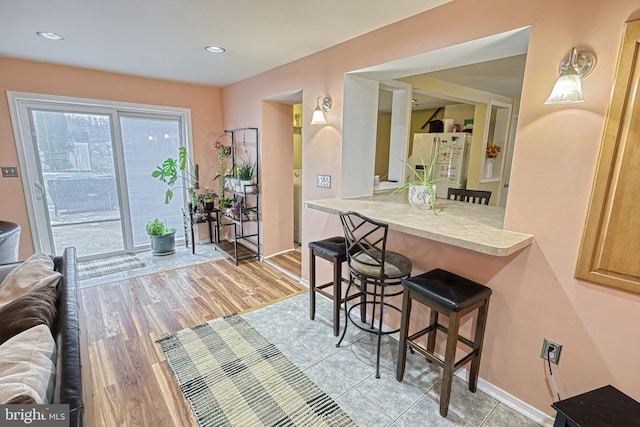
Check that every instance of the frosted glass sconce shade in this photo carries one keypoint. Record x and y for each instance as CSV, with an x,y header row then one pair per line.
x,y
323,105
573,68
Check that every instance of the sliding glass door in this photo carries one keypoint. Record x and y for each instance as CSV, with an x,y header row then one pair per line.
x,y
86,171
75,163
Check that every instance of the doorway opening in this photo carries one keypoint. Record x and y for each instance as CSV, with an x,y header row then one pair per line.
x,y
283,129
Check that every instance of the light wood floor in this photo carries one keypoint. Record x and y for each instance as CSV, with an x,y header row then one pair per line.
x,y
126,379
289,261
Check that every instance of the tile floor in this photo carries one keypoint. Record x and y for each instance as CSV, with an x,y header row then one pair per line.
x,y
152,264
348,373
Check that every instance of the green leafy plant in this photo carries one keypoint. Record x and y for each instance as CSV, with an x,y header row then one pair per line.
x,y
209,196
156,227
423,178
172,169
246,170
225,202
207,199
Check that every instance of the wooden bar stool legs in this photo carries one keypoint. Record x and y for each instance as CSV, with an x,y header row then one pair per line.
x,y
453,296
333,250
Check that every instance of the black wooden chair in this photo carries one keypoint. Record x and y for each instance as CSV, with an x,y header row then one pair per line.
x,y
453,296
333,250
372,270
469,196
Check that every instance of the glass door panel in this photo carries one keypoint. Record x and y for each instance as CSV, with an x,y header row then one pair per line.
x,y
146,143
76,164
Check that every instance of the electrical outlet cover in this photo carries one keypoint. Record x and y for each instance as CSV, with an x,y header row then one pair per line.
x,y
551,351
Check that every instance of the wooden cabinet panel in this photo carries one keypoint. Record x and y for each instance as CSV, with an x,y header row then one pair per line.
x,y
610,251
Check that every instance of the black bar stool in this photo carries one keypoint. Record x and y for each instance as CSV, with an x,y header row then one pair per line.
x,y
372,271
333,250
454,296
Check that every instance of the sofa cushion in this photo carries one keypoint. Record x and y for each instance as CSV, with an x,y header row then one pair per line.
x,y
27,368
35,272
38,307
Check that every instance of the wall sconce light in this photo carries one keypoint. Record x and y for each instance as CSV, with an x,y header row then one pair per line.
x,y
573,68
323,106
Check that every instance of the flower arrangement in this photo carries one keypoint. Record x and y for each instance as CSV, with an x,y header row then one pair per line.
x,y
223,150
246,170
492,150
224,154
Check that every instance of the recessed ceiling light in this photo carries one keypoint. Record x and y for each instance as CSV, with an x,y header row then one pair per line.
x,y
214,49
50,36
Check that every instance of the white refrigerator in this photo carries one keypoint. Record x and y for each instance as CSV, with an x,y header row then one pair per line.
x,y
452,157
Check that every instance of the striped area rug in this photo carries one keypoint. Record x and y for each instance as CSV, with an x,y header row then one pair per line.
x,y
103,266
233,376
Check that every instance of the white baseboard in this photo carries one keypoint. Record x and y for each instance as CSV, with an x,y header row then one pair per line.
x,y
280,253
509,400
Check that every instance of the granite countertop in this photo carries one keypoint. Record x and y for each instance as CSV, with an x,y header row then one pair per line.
x,y
466,225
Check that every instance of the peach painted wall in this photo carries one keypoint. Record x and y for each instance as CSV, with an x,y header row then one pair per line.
x,y
276,184
35,77
535,293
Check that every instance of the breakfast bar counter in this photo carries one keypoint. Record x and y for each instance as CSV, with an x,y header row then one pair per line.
x,y
466,225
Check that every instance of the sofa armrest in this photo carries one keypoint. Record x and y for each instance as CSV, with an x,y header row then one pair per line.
x,y
6,268
68,388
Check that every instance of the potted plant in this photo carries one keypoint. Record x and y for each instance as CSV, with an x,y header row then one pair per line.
x,y
172,169
246,171
162,238
422,189
207,200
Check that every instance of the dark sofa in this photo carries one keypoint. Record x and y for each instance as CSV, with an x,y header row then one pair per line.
x,y
68,388
66,333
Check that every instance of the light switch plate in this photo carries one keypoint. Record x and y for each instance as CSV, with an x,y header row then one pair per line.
x,y
323,181
9,171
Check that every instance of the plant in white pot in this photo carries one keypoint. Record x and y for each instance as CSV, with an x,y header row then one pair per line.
x,y
422,188
246,171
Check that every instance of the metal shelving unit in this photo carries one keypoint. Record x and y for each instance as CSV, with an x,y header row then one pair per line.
x,y
246,228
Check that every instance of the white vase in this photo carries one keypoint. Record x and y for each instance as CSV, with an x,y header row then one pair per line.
x,y
247,186
421,197
233,183
488,168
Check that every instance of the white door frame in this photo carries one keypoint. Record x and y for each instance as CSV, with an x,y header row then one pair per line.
x,y
21,102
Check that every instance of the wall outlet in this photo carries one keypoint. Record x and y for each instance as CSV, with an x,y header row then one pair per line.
x,y
551,351
323,181
9,171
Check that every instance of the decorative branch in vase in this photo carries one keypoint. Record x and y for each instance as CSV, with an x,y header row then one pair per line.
x,y
422,191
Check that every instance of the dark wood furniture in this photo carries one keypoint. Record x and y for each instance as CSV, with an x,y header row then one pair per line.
x,y
453,296
373,270
469,196
199,217
603,407
333,250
